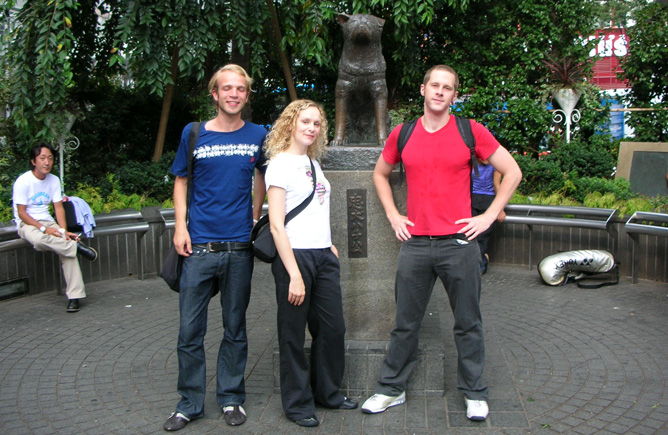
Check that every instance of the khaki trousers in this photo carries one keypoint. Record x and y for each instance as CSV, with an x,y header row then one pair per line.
x,y
66,250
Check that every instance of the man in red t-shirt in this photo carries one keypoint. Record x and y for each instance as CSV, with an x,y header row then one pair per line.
x,y
437,239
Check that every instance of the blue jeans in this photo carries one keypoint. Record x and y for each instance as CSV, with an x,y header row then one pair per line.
x,y
232,271
457,263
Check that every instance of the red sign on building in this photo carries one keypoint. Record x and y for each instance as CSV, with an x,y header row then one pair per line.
x,y
612,45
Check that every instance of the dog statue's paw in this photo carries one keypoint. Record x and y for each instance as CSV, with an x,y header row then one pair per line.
x,y
336,142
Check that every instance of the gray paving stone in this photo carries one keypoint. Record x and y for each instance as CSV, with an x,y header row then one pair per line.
x,y
577,361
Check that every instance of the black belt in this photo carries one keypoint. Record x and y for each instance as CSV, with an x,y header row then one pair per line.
x,y
224,246
460,236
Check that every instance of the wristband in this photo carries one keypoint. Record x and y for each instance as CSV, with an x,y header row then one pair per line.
x,y
61,231
255,221
42,228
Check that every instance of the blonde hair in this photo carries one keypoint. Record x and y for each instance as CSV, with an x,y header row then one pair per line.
x,y
213,83
280,136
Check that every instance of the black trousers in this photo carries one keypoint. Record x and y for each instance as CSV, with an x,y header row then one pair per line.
x,y
322,310
479,205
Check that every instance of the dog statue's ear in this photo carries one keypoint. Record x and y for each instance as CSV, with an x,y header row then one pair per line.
x,y
381,22
343,18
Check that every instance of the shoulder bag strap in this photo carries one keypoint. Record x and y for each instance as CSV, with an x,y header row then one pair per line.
x,y
264,220
192,141
295,211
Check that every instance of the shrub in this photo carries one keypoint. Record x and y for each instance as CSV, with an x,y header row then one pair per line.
x,y
595,158
620,188
540,175
91,195
627,208
598,200
147,179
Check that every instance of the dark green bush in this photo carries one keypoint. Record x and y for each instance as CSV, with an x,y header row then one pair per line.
x,y
620,188
540,175
12,164
147,178
594,158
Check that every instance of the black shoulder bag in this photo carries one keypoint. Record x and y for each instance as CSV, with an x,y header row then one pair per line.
x,y
171,269
264,247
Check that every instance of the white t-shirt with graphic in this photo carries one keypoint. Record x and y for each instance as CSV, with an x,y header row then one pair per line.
x,y
310,229
36,195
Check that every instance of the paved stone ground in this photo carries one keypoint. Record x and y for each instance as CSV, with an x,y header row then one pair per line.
x,y
559,360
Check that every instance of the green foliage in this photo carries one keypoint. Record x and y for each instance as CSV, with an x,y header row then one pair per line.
x,y
150,35
540,175
115,200
6,212
565,72
646,67
92,196
659,204
595,158
551,199
598,200
620,187
111,74
153,180
625,207
12,164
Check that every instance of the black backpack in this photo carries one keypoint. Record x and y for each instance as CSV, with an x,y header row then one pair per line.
x,y
464,127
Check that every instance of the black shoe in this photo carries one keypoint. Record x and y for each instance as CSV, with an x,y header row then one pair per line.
x,y
86,252
234,415
311,421
176,421
73,306
348,404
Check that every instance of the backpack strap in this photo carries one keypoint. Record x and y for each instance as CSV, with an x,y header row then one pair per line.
x,y
464,127
405,133
612,281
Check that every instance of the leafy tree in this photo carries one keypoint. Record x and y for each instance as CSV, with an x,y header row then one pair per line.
x,y
646,67
614,13
498,49
39,68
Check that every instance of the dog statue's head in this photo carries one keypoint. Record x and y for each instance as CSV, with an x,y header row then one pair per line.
x,y
361,29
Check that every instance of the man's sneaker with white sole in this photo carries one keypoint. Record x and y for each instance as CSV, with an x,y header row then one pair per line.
x,y
476,410
380,402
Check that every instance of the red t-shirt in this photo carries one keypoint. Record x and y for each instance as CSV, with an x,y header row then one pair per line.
x,y
438,174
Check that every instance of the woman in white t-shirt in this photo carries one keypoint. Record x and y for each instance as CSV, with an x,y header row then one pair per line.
x,y
306,272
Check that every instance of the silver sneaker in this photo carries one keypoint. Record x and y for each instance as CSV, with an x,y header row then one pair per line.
x,y
380,402
476,410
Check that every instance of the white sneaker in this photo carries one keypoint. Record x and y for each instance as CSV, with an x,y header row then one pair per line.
x,y
380,402
476,410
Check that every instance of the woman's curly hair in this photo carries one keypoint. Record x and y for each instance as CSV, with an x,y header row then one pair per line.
x,y
280,135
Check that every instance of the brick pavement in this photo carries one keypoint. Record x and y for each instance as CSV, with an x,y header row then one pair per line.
x,y
559,360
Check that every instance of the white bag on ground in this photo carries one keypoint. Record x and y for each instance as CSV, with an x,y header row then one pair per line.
x,y
556,269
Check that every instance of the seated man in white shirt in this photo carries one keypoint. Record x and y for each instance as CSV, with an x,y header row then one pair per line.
x,y
33,192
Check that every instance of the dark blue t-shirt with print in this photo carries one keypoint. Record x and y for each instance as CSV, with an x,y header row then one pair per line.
x,y
221,207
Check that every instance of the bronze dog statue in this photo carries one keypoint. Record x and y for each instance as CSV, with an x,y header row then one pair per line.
x,y
361,70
